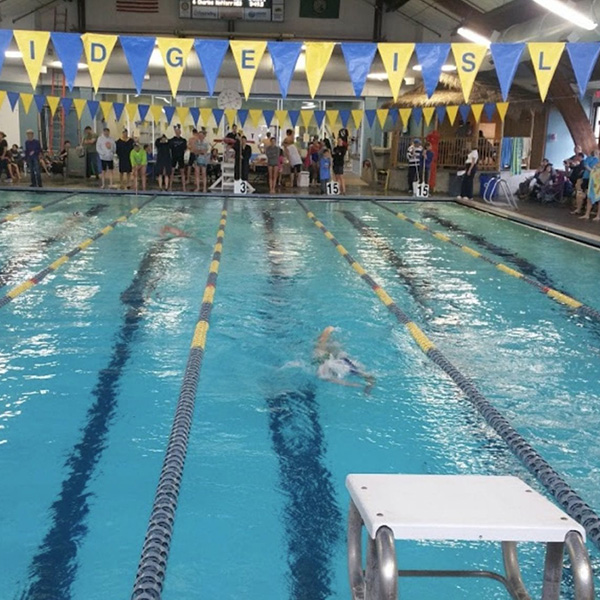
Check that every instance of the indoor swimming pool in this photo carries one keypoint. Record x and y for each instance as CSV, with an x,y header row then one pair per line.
x,y
92,359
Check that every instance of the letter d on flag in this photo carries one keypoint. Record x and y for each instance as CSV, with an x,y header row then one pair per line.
x,y
98,49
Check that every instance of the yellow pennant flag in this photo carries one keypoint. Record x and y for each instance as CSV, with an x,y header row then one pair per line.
x,y
545,57
477,109
205,115
451,112
306,117
332,117
230,114
131,110
32,45
468,59
156,110
26,99
357,117
317,59
174,52
255,115
183,112
2,97
79,104
382,115
502,107
106,108
98,48
281,116
405,115
428,114
247,57
395,58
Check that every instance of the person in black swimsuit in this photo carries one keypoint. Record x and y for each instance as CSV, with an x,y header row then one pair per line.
x,y
164,166
178,147
124,146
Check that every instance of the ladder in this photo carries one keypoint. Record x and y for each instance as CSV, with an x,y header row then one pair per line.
x,y
226,181
56,123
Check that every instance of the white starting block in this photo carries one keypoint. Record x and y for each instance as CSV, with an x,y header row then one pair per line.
x,y
462,508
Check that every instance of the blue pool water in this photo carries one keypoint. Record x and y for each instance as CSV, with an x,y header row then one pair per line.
x,y
91,362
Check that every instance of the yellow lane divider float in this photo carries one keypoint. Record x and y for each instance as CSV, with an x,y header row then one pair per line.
x,y
556,295
38,208
29,283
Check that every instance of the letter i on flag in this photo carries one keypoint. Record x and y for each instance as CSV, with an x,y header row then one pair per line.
x,y
395,58
247,57
98,49
32,45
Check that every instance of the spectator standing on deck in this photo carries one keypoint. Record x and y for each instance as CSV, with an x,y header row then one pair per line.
x,y
428,158
466,188
178,147
200,148
164,162
339,156
139,160
106,146
4,158
124,147
91,154
33,152
245,156
292,154
414,157
325,170
272,152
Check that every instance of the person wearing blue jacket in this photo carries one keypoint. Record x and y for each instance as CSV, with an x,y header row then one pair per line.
x,y
33,151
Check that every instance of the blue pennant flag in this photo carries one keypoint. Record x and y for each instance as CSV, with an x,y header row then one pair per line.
x,y
489,109
370,116
440,111
393,114
417,114
211,54
118,107
13,98
169,113
506,59
268,115
293,115
66,104
68,48
5,39
195,114
344,117
431,57
93,106
218,115
242,115
40,100
465,111
143,111
137,52
284,56
359,57
583,58
319,117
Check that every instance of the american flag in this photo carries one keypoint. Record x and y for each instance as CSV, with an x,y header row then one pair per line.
x,y
137,6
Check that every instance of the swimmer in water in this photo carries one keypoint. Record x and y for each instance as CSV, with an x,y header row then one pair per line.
x,y
169,230
335,365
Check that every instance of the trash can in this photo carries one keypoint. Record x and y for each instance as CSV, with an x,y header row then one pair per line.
x,y
454,185
303,179
484,181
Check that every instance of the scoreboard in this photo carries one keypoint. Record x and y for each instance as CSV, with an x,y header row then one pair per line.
x,y
248,10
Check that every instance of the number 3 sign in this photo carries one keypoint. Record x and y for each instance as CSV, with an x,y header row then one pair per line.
x,y
242,187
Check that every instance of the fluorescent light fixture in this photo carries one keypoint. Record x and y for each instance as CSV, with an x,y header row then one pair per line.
x,y
565,11
473,36
309,105
56,64
381,76
13,54
446,68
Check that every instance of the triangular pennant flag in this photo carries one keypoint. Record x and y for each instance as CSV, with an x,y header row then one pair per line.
x,y
451,111
66,104
13,99
205,115
319,117
284,56
583,59
68,48
506,60
465,111
431,57
2,97
268,116
169,113
93,106
26,99
382,115
230,114
317,59
98,48
32,45
394,116
502,108
293,115
106,108
440,112
428,114
137,50
477,109
40,101
156,110
211,54
79,104
195,114
281,116
118,107
5,39
405,116
53,103
174,52
417,114
182,114
545,57
306,116
247,55
468,59
359,58
131,110
370,115
218,115
489,108
357,117
242,116
344,117
255,115
332,117
395,58
143,111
